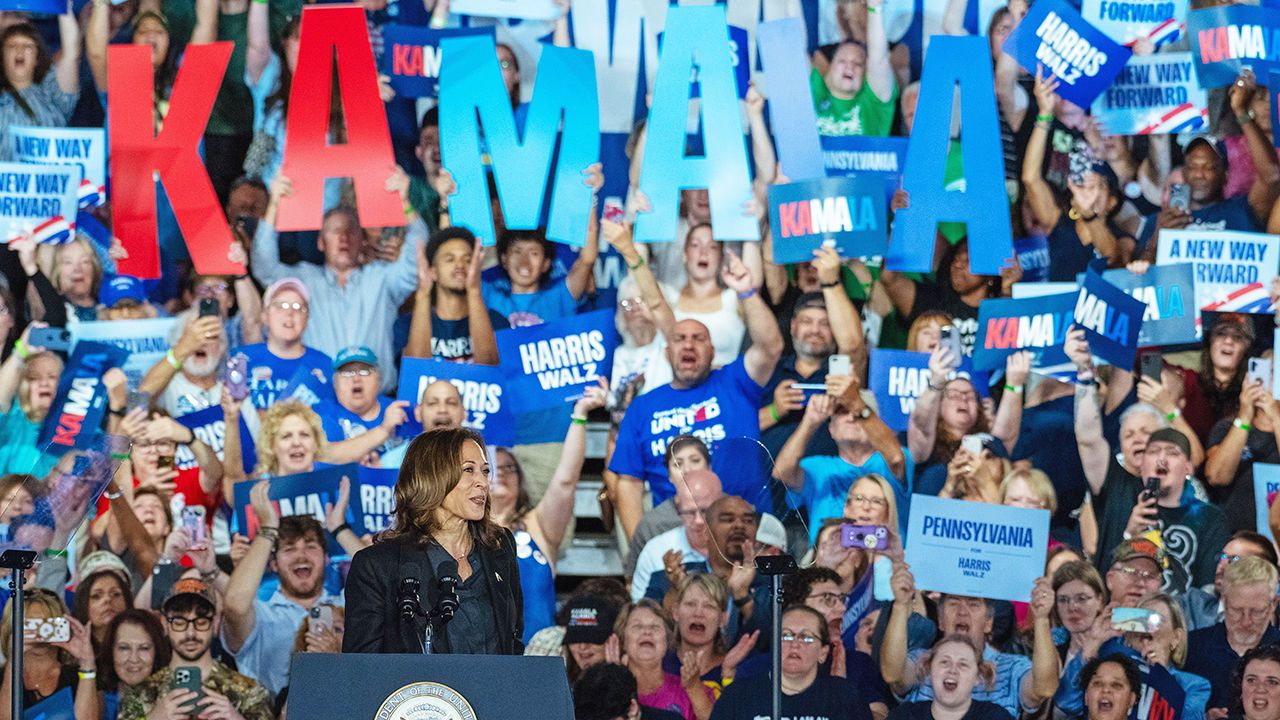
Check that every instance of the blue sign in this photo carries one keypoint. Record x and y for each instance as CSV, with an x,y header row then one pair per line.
x,y
1127,21
412,56
85,148
309,388
1033,256
1266,484
38,199
1169,294
695,37
58,706
966,61
302,494
1037,324
377,491
210,426
863,156
545,366
737,58
472,94
43,7
1082,57
976,549
1154,94
1227,39
795,122
1110,318
482,388
849,211
80,404
860,602
899,377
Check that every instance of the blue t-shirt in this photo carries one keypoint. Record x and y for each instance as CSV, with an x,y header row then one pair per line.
x,y
1046,429
523,309
269,374
537,585
451,339
1231,214
722,408
342,424
827,480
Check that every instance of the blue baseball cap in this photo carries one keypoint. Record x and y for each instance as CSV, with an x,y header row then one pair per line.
x,y
354,354
121,287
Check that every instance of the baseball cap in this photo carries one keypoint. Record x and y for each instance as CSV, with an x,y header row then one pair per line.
x,y
119,288
1218,147
190,586
1140,547
591,619
288,283
354,354
771,532
1235,322
809,300
103,561
1170,435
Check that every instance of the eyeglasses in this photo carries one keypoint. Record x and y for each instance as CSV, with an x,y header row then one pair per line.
x,y
1230,558
211,289
631,304
867,499
1081,599
1140,574
804,638
179,623
362,372
829,599
960,395
15,46
1254,614
155,445
283,306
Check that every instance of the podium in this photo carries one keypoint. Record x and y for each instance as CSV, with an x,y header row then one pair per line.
x,y
449,687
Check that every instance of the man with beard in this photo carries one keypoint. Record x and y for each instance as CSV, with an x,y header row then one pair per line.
x,y
668,556
286,305
359,407
1249,602
191,624
714,405
261,632
450,320
1192,532
440,407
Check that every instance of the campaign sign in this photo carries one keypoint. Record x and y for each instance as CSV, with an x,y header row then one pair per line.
x,y
1111,319
377,491
1038,324
1126,21
861,156
1169,294
1227,39
85,148
81,401
524,9
43,7
1033,257
899,377
546,365
976,549
1053,35
32,197
210,427
849,211
302,494
482,389
146,341
1266,483
860,601
1153,94
1223,260
412,56
309,387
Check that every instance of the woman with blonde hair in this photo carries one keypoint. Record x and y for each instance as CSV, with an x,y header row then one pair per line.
x,y
442,530
955,666
1029,488
30,376
926,331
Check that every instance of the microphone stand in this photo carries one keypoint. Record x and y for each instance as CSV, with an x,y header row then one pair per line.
x,y
442,613
18,561
775,567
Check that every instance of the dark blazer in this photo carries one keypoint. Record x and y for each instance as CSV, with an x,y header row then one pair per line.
x,y
373,623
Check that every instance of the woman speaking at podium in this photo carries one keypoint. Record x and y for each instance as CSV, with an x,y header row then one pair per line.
x,y
443,557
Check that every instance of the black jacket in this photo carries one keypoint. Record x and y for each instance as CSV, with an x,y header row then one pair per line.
x,y
373,622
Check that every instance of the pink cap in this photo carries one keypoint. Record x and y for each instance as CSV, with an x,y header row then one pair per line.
x,y
288,283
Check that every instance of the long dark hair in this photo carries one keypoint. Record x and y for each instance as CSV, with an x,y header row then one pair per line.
x,y
44,61
108,680
80,602
430,471
164,76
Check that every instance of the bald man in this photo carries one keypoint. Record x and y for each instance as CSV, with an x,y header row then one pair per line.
x,y
439,407
695,494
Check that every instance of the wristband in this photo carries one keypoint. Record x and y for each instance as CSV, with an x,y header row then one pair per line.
x,y
933,387
338,530
575,420
1245,118
438,23
93,674
773,413
1173,415
872,10
743,600
261,2
55,553
21,349
1241,424
173,360
639,263
270,533
1013,388
833,283
409,212
442,209
1042,118
746,295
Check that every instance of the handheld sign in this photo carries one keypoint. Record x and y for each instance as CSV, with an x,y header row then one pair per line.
x,y
38,199
85,148
899,377
548,363
483,390
1033,258
146,341
976,549
210,426
1266,483
412,56
737,60
868,157
1224,260
1169,294
81,401
1110,318
1127,21
1154,94
524,9
309,388
41,7
377,490
786,70
849,211
1036,324
1053,35
302,494
1227,39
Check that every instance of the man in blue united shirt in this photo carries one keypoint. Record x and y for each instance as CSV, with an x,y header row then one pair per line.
x,y
359,408
713,405
274,363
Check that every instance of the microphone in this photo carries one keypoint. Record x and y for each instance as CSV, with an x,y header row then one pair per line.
x,y
410,586
448,584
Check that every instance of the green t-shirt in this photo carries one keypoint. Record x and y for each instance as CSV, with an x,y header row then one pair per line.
x,y
864,114
233,112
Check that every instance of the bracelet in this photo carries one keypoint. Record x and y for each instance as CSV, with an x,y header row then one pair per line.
x,y
409,212
639,263
1241,424
117,413
1173,415
1245,118
442,209
746,295
773,413
261,2
929,383
1013,388
575,420
173,360
437,23
93,674
338,530
270,533
1044,118
55,553
192,440
872,10
112,496
743,600
21,349
833,283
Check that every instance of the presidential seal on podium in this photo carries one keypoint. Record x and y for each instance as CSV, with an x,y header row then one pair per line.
x,y
425,701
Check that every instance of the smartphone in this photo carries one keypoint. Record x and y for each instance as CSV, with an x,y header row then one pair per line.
x,y
209,307
949,337
47,630
1150,487
1139,620
237,380
187,677
839,365
322,617
881,580
164,461
1152,365
1180,196
973,444
867,537
613,211
163,576
1259,371
809,390
137,399
248,225
193,520
50,338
